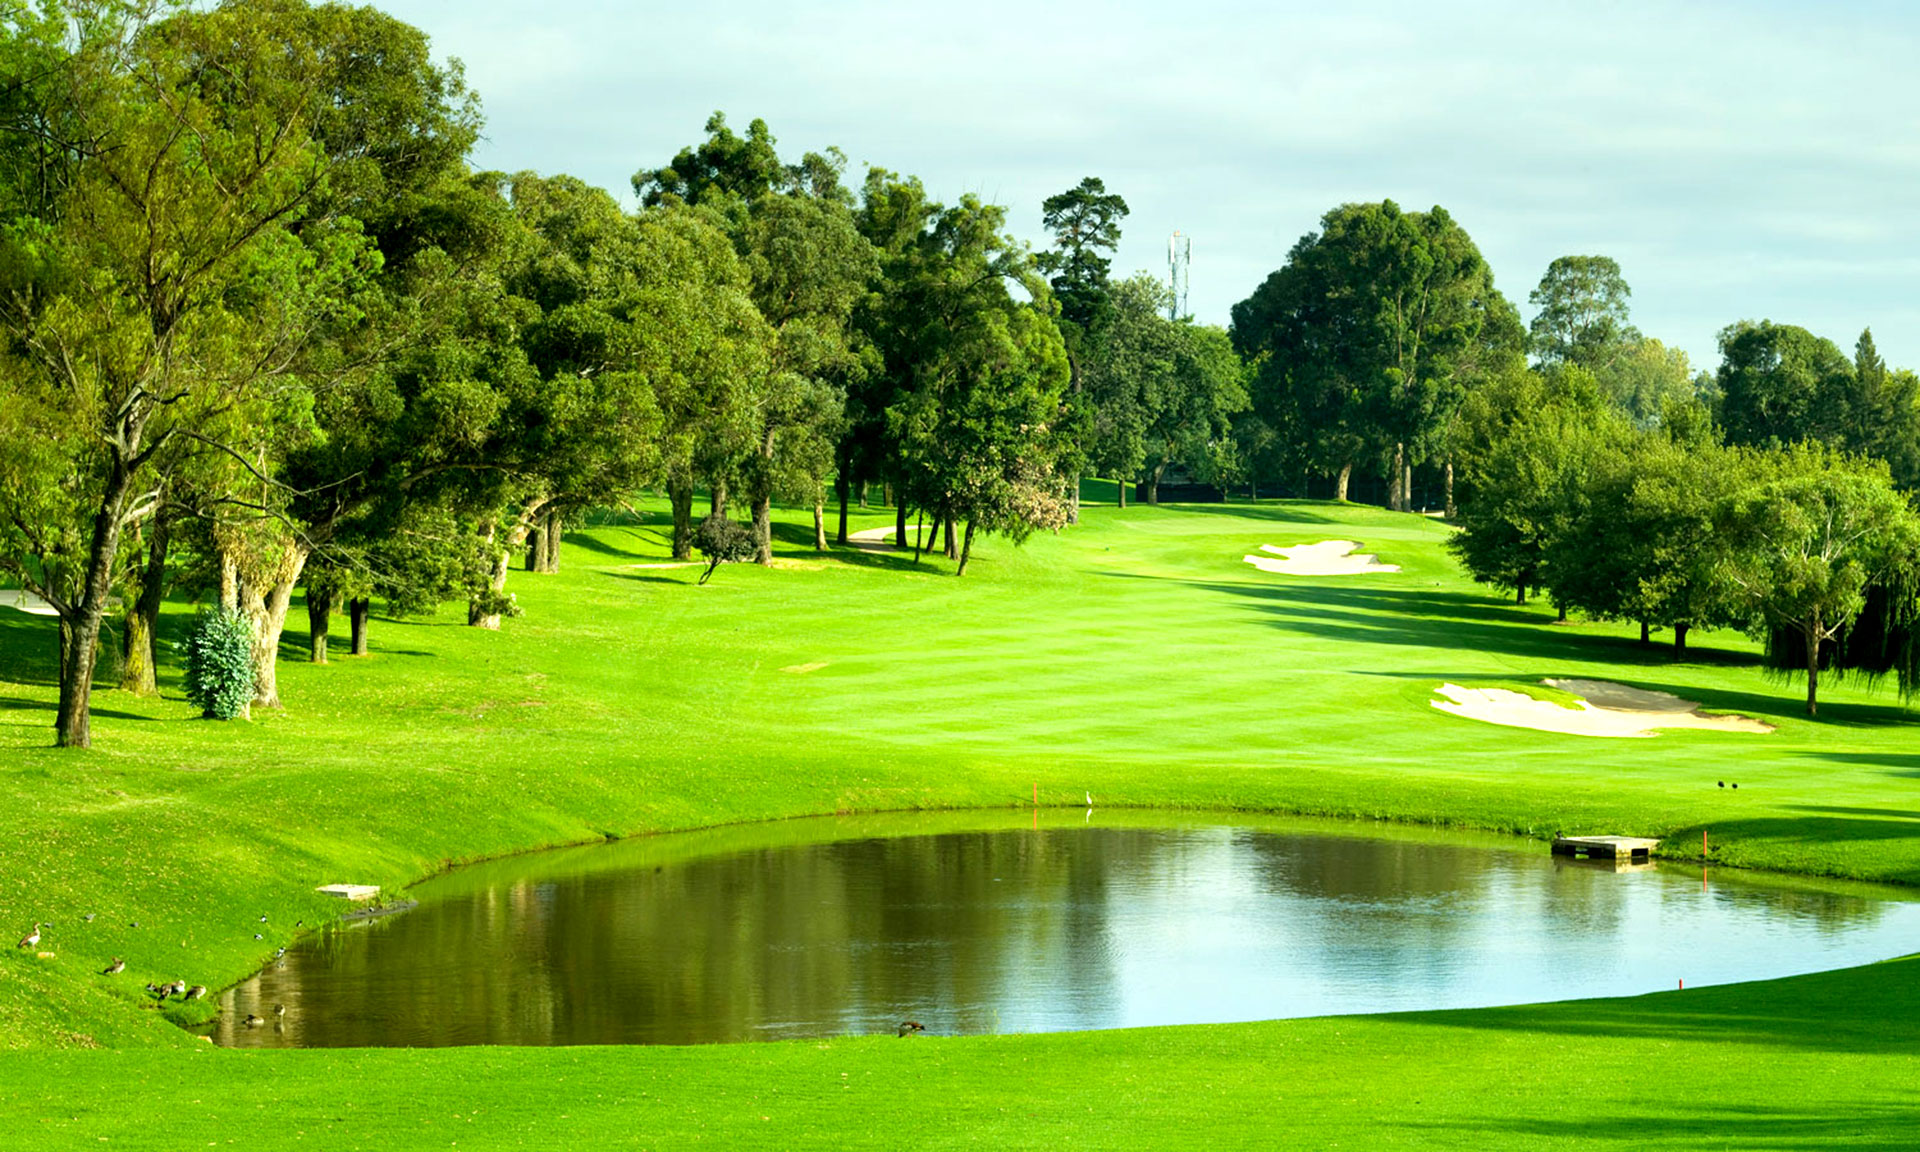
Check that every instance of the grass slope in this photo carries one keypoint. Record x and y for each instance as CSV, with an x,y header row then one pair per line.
x,y
1135,657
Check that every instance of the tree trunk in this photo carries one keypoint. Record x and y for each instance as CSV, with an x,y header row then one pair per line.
x,y
266,609
477,615
1340,485
1452,511
1519,591
140,662
1813,668
966,550
1646,633
1680,638
820,521
1121,487
73,725
1073,502
1153,482
680,495
717,499
840,491
946,528
1397,498
536,548
229,582
900,525
319,620
358,609
550,554
1406,488
763,530
1561,610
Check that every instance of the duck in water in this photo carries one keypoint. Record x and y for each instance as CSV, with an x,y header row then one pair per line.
x,y
909,1027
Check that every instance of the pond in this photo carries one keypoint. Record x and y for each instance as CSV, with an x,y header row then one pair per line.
x,y
972,923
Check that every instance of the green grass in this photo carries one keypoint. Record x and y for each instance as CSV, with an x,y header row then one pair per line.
x,y
1135,657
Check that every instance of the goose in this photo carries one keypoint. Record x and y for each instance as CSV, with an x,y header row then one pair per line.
x,y
909,1027
195,992
114,969
33,937
178,987
280,1011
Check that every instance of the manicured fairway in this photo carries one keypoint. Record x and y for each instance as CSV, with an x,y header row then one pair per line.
x,y
1136,657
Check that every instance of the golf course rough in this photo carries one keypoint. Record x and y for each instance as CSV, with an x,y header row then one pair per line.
x,y
1135,657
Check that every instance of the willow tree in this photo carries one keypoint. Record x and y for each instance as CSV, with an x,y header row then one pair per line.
x,y
1810,541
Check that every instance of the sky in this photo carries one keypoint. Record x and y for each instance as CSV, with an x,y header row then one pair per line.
x,y
1740,161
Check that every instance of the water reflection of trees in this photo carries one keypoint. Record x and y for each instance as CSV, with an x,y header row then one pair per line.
x,y
964,931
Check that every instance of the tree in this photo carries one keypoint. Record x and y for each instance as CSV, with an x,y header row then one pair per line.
x,y
1582,317
723,541
1160,392
980,379
166,286
1780,384
1811,540
1365,342
1529,448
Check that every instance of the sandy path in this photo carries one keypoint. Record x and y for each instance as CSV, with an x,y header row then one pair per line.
x,y
1610,710
27,602
1327,558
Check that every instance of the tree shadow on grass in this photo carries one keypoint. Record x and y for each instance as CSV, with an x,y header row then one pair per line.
x,y
19,704
28,648
1702,1124
1433,619
1905,764
1860,1010
1271,513
595,544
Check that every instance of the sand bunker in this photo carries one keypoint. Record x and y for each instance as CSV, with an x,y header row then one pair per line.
x,y
1327,558
1606,710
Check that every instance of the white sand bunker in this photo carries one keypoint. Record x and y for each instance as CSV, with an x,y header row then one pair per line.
x,y
1606,710
1327,558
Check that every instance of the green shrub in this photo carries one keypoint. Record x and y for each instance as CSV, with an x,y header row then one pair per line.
x,y
220,664
722,541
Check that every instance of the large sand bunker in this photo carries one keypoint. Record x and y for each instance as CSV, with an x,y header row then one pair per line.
x,y
1605,710
1327,558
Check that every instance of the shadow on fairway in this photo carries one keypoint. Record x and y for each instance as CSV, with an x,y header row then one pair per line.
x,y
1896,763
1695,1123
607,548
1275,514
1864,1010
18,704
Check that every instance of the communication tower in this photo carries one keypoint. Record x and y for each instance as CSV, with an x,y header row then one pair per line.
x,y
1179,260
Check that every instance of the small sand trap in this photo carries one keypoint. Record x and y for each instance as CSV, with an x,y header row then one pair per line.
x,y
1327,558
1613,710
803,669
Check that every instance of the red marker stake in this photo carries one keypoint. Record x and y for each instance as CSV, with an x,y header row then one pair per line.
x,y
1683,985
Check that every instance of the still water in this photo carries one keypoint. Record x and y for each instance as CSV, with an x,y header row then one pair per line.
x,y
968,924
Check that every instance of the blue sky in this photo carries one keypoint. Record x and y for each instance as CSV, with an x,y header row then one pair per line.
x,y
1742,161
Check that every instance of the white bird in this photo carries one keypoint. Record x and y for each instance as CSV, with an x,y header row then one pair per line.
x,y
1089,799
